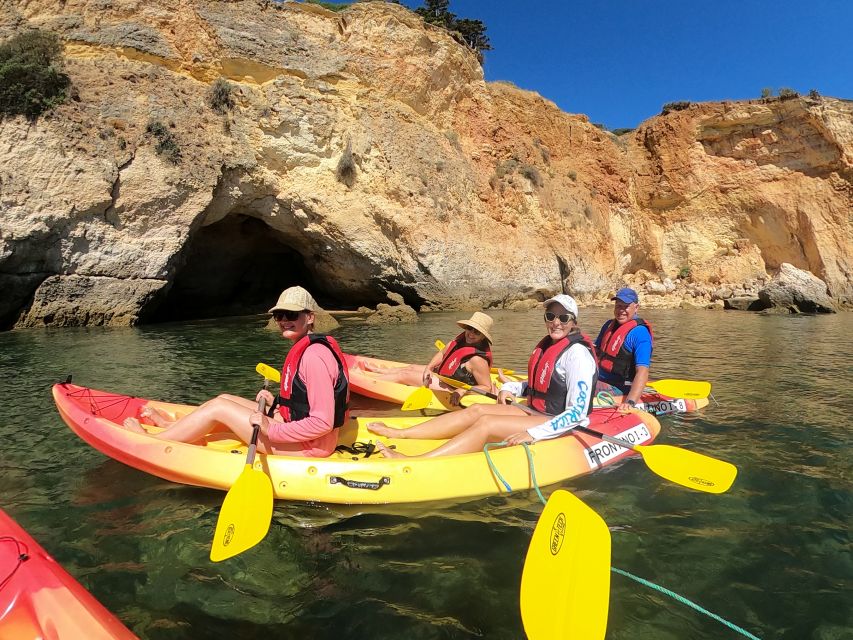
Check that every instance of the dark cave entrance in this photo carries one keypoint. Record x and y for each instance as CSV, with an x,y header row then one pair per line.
x,y
236,266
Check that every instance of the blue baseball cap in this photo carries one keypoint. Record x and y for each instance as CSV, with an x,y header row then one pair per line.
x,y
626,295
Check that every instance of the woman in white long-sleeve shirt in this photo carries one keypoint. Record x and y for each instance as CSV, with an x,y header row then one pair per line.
x,y
561,372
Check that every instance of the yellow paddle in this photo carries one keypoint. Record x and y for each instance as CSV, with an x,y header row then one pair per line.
x,y
565,583
247,509
684,467
420,398
682,388
269,373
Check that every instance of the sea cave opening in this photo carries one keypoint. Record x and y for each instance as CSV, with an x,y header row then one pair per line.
x,y
237,266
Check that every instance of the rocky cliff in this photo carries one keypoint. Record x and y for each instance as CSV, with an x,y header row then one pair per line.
x,y
365,154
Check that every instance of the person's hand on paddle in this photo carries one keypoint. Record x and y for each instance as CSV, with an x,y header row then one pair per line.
x,y
266,395
519,438
427,377
259,418
505,397
456,397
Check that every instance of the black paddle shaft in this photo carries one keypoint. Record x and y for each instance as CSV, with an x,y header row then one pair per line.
x,y
256,428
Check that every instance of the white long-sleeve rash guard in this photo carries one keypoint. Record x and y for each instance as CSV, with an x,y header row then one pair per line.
x,y
577,367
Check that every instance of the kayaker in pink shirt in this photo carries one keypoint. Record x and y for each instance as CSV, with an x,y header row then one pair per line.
x,y
312,402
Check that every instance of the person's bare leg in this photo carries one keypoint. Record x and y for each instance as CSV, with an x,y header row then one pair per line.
x,y
447,424
203,420
245,402
412,374
488,428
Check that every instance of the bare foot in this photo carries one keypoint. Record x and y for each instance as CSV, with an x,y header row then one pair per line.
x,y
388,452
373,368
156,417
381,429
132,424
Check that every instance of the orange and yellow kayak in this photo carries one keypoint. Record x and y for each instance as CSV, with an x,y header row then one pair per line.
x,y
352,476
40,600
371,385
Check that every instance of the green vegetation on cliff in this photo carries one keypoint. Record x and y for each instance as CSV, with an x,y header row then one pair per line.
x,y
31,82
464,30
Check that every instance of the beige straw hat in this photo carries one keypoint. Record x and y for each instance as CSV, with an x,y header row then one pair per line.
x,y
479,321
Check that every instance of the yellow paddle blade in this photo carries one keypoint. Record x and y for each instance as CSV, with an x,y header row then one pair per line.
x,y
565,583
420,398
682,388
439,345
688,468
268,372
245,515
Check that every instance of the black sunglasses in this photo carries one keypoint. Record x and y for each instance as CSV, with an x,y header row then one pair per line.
x,y
564,317
290,315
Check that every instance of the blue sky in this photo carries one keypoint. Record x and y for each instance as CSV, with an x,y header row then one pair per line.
x,y
619,61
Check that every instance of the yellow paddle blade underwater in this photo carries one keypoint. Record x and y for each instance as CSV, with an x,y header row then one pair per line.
x,y
688,468
245,515
692,389
565,584
420,398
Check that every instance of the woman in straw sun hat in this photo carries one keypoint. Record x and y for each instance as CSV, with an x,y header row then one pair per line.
x,y
467,358
313,401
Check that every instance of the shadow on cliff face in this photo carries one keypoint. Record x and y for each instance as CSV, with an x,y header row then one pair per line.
x,y
233,267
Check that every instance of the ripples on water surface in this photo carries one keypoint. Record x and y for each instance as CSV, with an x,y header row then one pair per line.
x,y
772,554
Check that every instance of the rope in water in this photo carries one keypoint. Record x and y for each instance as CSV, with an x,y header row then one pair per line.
x,y
683,600
672,594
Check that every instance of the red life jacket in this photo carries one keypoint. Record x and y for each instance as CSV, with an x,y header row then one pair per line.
x,y
545,391
458,353
293,397
614,358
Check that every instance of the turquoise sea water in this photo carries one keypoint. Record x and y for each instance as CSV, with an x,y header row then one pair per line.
x,y
772,555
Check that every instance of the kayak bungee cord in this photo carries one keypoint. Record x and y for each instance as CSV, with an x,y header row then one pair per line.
x,y
648,583
23,555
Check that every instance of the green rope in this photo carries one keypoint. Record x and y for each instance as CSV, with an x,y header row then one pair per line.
x,y
494,469
492,466
683,600
672,594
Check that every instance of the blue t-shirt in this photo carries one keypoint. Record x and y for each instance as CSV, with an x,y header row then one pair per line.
x,y
638,342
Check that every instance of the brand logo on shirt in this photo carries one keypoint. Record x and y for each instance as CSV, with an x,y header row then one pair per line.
x,y
574,413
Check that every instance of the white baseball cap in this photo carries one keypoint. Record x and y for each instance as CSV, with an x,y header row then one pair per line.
x,y
567,302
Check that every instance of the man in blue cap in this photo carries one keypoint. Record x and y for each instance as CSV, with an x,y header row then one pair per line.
x,y
624,347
